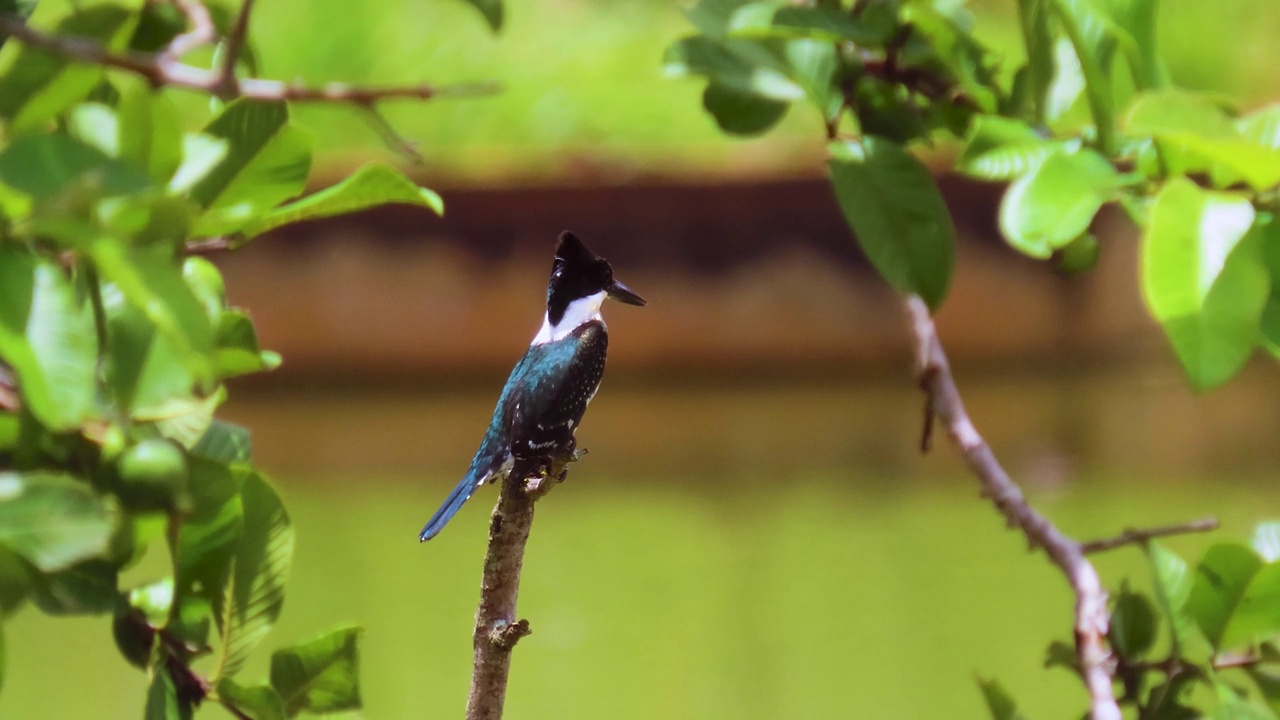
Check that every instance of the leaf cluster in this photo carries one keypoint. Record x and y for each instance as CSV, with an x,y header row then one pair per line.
x,y
1202,643
116,343
1088,119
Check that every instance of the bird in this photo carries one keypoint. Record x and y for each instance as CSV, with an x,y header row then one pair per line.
x,y
547,393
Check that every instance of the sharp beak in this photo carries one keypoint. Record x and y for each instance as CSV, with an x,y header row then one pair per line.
x,y
622,293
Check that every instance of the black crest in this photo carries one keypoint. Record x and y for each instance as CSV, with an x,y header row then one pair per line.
x,y
576,273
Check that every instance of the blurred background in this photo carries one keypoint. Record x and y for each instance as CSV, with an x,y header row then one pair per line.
x,y
754,534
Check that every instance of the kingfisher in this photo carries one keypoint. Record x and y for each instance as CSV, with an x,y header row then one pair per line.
x,y
548,390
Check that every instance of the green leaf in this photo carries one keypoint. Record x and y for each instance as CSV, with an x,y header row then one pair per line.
x,y
254,591
999,702
735,64
1257,614
1091,40
711,17
891,202
3,652
52,519
1172,580
151,280
1262,127
1133,624
260,702
491,10
320,676
998,148
939,43
1270,325
144,370
226,443
1137,19
200,155
267,162
44,166
1219,587
1054,204
783,20
16,581
739,113
1268,684
1038,73
1196,135
1202,280
1061,654
150,134
88,588
40,85
206,543
237,347
47,336
97,125
163,701
371,185
1266,540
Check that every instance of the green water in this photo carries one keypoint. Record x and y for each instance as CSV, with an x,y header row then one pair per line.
x,y
764,587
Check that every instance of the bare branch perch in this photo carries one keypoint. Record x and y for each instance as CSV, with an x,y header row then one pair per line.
x,y
1092,618
165,70
497,629
1134,536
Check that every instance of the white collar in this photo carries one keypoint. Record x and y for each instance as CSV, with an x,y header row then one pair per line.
x,y
580,311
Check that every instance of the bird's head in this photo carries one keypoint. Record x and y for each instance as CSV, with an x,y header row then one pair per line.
x,y
580,277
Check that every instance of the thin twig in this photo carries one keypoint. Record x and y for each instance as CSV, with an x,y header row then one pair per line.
x,y
497,629
232,47
201,32
1091,616
161,69
1135,536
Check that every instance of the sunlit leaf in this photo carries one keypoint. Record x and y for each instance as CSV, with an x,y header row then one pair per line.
x,y
151,135
1054,204
998,148
259,702
1221,578
1172,580
52,519
319,676
892,204
1201,278
48,337
1266,540
267,162
371,185
254,592
1257,613
39,84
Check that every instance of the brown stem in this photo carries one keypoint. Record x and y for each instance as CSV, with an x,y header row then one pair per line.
x,y
201,32
1091,616
227,86
1136,536
497,629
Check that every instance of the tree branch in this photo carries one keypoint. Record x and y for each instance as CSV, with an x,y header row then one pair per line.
x,y
1092,618
202,31
228,88
164,69
497,629
1136,536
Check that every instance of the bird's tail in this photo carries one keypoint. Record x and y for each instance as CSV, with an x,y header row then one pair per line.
x,y
452,504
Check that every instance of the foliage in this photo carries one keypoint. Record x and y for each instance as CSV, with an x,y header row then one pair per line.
x,y
1200,180
115,345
